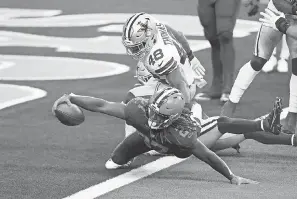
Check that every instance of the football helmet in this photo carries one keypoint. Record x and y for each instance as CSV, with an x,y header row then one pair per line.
x,y
165,106
139,34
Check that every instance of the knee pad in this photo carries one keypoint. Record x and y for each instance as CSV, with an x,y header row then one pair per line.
x,y
257,63
294,66
225,37
223,124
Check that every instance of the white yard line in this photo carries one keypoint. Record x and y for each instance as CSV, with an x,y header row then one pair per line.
x,y
132,176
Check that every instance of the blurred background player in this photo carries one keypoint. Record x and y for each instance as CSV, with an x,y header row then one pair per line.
x,y
278,62
266,41
218,18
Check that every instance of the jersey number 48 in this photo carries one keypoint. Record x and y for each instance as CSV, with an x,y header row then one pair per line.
x,y
155,56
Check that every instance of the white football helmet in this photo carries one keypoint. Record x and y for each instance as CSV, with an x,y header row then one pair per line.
x,y
139,34
165,106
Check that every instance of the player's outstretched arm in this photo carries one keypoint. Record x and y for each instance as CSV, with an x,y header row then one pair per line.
x,y
94,104
209,157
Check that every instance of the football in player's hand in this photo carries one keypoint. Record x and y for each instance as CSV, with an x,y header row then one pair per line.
x,y
69,114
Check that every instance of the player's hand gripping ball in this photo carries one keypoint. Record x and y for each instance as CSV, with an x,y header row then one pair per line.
x,y
67,113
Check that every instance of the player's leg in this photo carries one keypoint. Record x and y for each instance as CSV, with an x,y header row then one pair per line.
x,y
268,138
271,64
291,119
270,123
206,13
282,64
261,137
226,12
266,41
230,140
131,147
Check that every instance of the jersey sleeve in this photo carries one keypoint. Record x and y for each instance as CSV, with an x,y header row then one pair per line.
x,y
135,115
166,66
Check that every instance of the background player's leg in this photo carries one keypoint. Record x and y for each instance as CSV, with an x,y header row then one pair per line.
x,y
271,64
226,14
206,13
291,119
282,64
262,137
268,138
129,148
266,41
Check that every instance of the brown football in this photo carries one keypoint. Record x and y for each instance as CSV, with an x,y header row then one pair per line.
x,y
70,115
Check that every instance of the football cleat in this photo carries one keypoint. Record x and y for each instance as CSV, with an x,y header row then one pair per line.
x,y
271,123
112,165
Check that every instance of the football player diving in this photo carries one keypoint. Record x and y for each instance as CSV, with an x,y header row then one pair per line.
x,y
166,125
163,54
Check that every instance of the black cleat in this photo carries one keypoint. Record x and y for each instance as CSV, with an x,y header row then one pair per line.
x,y
271,123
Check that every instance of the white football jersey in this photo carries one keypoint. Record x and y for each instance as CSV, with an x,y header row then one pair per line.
x,y
166,55
271,6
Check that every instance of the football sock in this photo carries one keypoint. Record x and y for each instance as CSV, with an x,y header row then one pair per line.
x,y
293,140
293,94
243,80
238,125
269,138
284,53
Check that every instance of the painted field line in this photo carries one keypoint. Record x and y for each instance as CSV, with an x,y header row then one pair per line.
x,y
35,93
133,175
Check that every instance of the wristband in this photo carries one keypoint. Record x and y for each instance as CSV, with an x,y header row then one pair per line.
x,y
190,55
282,25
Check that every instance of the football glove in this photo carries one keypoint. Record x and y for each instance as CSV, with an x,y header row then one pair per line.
x,y
276,21
197,67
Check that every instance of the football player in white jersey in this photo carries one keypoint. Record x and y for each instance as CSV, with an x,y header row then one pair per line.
x,y
266,41
164,52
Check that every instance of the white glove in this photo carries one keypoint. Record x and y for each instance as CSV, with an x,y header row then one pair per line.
x,y
269,18
198,68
